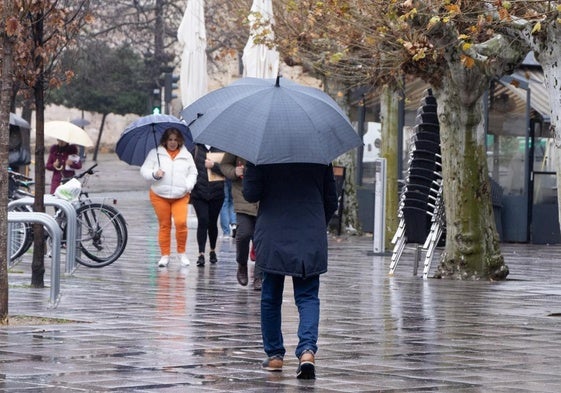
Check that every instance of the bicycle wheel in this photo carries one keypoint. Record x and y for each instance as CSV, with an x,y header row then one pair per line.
x,y
21,238
101,235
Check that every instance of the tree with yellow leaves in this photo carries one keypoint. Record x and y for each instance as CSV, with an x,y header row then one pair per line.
x,y
453,45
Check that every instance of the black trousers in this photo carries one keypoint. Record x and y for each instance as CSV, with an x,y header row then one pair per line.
x,y
244,234
207,217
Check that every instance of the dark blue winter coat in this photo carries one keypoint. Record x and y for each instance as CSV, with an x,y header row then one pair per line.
x,y
296,201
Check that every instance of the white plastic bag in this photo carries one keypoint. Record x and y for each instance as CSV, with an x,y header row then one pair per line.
x,y
75,159
69,191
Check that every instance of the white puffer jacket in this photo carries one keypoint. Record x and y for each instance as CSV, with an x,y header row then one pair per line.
x,y
180,174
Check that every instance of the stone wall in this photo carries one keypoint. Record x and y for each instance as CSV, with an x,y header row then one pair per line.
x,y
115,124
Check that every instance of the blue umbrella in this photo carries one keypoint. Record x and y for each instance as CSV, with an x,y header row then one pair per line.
x,y
145,133
267,121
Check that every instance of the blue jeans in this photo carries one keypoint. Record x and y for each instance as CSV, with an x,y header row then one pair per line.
x,y
307,300
227,214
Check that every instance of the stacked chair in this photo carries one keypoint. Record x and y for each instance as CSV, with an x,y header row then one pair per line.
x,y
421,209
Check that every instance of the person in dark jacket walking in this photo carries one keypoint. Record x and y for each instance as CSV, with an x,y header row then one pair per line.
x,y
246,213
296,201
207,198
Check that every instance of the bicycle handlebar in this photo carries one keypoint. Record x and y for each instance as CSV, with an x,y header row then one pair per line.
x,y
19,175
88,171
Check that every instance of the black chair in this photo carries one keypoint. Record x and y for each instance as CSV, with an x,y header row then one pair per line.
x,y
429,165
427,108
423,172
426,118
415,179
430,191
426,155
417,224
426,136
426,146
427,127
429,100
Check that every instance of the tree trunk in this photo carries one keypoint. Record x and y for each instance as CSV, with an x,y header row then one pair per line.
x,y
6,54
472,244
389,114
38,263
98,142
350,221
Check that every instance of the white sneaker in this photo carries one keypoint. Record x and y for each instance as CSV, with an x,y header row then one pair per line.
x,y
184,260
164,260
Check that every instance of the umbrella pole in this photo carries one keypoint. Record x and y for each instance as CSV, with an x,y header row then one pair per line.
x,y
155,143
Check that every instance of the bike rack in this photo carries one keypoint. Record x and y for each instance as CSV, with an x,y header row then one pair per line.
x,y
71,223
56,235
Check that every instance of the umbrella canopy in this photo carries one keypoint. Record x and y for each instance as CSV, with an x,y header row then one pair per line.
x,y
18,121
144,134
268,122
68,132
193,78
259,60
80,122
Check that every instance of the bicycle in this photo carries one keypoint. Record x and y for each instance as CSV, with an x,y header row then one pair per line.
x,y
102,233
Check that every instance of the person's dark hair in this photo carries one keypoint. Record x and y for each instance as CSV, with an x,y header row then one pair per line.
x,y
169,132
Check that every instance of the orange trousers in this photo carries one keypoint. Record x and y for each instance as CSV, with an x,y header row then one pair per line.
x,y
166,209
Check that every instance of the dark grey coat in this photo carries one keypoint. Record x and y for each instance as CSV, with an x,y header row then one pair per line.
x,y
296,201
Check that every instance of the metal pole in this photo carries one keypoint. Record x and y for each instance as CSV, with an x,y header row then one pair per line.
x,y
380,206
360,151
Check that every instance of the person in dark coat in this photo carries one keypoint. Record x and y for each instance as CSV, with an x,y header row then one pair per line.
x,y
233,168
296,201
207,198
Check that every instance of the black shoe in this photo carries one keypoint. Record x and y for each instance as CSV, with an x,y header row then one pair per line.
x,y
201,260
242,274
306,367
257,281
212,257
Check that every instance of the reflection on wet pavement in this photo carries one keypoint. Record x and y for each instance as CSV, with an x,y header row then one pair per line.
x,y
146,329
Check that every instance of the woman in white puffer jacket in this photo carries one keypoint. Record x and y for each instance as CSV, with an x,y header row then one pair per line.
x,y
172,171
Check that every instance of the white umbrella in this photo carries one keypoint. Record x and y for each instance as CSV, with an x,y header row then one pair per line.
x,y
68,132
193,79
260,61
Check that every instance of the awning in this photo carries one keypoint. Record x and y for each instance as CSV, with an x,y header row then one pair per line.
x,y
528,79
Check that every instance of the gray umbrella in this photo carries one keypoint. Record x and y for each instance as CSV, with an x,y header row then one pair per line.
x,y
18,121
80,122
268,122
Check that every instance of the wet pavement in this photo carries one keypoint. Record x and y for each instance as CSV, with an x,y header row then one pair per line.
x,y
134,327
